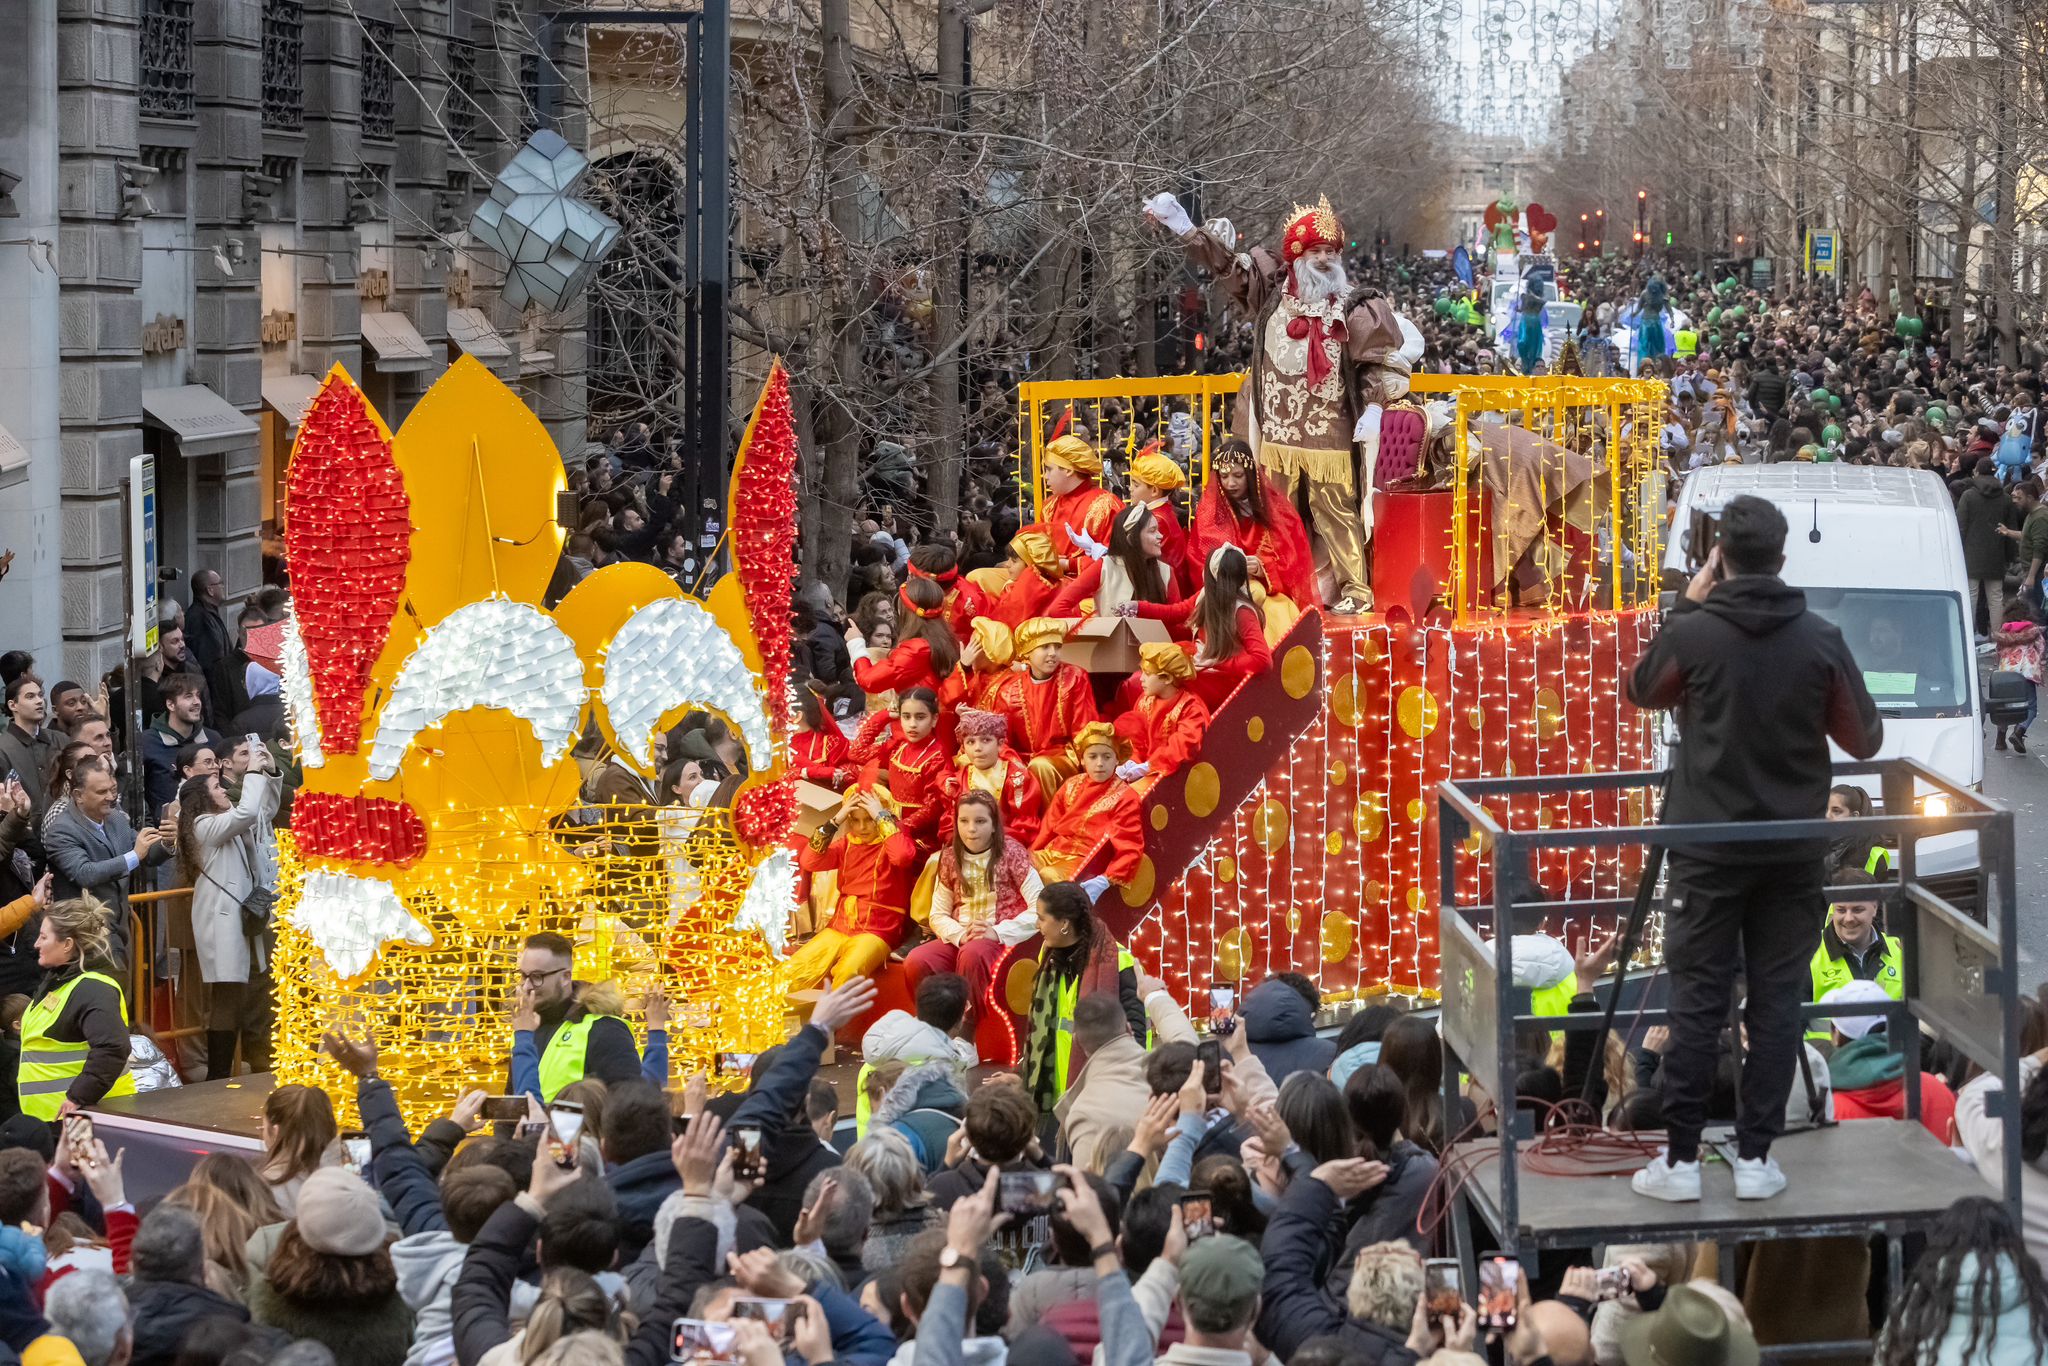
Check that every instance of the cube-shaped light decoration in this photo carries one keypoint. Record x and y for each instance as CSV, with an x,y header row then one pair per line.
x,y
550,238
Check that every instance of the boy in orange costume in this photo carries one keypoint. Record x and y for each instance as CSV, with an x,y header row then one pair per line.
x,y
988,764
1038,575
1080,511
1092,806
877,865
1047,704
1166,724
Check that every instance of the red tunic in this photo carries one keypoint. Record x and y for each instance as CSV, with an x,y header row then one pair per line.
x,y
1045,713
1214,683
1025,598
1083,814
974,688
964,602
1176,547
909,665
1280,542
1016,791
1164,733
819,754
917,771
1091,509
875,880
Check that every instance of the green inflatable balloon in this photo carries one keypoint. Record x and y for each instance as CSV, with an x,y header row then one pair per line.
x,y
1443,308
1713,316
1737,313
1818,395
1910,327
1937,414
1831,435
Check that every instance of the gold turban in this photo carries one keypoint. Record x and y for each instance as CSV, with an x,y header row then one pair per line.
x,y
1098,733
1071,452
997,645
1040,631
1166,658
1159,471
1035,549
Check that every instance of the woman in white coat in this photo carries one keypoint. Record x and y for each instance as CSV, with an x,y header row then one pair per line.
x,y
219,857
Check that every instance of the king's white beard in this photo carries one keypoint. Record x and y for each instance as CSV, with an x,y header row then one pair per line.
x,y
1313,283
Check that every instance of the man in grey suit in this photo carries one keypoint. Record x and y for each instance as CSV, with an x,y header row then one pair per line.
x,y
92,849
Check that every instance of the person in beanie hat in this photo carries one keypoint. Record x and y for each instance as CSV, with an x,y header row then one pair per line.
x,y
1689,1330
1220,1282
331,1278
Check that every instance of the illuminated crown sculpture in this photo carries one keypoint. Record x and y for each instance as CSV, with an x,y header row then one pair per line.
x,y
437,705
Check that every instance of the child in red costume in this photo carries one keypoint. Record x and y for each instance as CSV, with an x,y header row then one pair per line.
x,y
981,900
877,865
1133,570
1079,512
913,760
1166,725
1153,478
1046,704
984,664
1093,806
1231,636
926,651
963,601
988,765
818,751
1037,578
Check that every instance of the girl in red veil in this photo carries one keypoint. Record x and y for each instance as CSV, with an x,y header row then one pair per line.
x,y
1241,507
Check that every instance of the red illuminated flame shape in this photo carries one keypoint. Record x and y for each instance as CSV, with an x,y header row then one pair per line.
x,y
348,529
365,829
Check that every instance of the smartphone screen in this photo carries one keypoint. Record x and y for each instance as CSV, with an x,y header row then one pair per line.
x,y
1500,1292
697,1340
1222,1008
1198,1214
1209,1055
1613,1281
1026,1195
504,1109
565,1119
78,1133
748,1163
735,1064
1443,1287
777,1316
357,1146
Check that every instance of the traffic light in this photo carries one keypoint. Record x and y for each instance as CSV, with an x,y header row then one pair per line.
x,y
1740,239
1667,239
1582,244
1639,234
1642,194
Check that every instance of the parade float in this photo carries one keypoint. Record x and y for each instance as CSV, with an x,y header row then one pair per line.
x,y
1515,548
439,706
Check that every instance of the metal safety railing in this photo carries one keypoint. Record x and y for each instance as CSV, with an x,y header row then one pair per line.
x,y
1960,972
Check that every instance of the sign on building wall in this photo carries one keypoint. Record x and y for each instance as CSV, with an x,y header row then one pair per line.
x,y
142,554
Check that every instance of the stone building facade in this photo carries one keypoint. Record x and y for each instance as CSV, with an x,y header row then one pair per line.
x,y
208,204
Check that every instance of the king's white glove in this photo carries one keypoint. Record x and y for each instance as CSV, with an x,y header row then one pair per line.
x,y
1095,887
1166,210
1368,428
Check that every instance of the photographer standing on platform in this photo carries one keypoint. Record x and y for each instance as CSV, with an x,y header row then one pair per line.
x,y
1760,685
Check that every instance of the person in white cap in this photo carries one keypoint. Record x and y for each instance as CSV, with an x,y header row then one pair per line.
x,y
1869,1074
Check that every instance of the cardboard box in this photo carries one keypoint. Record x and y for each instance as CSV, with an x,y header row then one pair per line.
x,y
815,804
1109,645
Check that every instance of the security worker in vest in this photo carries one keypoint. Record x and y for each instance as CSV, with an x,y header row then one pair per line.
x,y
74,1035
1080,958
572,1042
1851,947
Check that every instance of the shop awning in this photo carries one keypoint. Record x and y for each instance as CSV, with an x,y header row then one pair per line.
x,y
398,344
203,422
469,329
290,396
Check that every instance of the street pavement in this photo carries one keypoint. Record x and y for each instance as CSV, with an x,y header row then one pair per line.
x,y
2021,782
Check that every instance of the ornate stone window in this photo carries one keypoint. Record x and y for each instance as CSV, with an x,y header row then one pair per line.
x,y
284,46
466,89
167,82
380,80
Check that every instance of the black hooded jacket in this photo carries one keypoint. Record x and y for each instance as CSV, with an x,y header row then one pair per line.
x,y
1760,686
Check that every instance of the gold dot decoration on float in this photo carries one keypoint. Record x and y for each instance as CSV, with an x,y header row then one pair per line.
x,y
1416,807
1159,817
1270,825
1139,890
1294,920
1368,819
1255,729
1478,842
1023,975
1345,702
1203,790
1372,651
1334,842
1338,936
1475,718
1416,711
1298,672
1340,773
1545,818
1233,957
1416,899
1549,714
1226,869
1375,893
1638,806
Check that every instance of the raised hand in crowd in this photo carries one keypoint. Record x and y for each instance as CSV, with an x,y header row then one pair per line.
x,y
468,1109
812,1218
812,1334
696,1153
1427,1333
358,1057
1350,1177
973,1217
761,1272
655,1008
843,1004
1155,1126
754,1345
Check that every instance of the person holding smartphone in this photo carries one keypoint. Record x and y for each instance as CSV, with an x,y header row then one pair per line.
x,y
219,858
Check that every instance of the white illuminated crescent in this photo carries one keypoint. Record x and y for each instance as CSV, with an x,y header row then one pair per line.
x,y
350,919
670,654
494,653
297,687
770,898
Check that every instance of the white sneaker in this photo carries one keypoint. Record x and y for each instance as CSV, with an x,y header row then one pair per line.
x,y
1345,607
1757,1178
1663,1179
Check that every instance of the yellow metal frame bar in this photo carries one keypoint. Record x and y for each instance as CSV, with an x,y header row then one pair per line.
x,y
1036,399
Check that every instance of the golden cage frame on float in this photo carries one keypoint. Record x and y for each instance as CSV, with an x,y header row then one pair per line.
x,y
1560,409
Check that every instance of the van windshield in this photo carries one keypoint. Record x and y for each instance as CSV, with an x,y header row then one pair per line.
x,y
1909,645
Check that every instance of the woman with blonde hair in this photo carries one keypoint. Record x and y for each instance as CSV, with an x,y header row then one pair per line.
x,y
78,1002
226,1225
299,1138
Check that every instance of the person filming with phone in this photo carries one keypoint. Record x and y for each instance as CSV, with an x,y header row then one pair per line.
x,y
571,1041
1759,685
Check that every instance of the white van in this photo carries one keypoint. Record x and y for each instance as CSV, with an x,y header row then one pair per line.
x,y
1877,552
